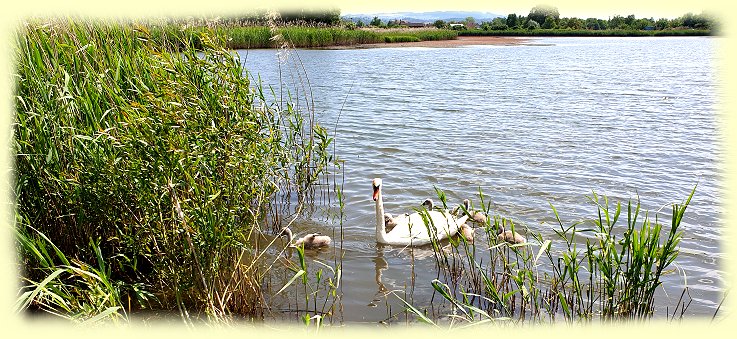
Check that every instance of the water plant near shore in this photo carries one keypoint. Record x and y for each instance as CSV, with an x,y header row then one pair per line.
x,y
246,37
165,155
597,269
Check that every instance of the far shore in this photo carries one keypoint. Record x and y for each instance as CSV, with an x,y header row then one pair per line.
x,y
458,42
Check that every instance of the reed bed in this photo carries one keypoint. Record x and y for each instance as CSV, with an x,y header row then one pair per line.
x,y
237,37
607,268
149,152
401,38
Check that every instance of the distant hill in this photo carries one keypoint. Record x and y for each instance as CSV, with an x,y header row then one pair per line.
x,y
427,17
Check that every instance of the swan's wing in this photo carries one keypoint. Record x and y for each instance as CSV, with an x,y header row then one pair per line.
x,y
402,218
413,227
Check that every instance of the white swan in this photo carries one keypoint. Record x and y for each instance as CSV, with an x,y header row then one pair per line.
x,y
412,230
310,241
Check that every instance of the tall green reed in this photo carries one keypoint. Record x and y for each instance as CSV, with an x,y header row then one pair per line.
x,y
595,269
160,148
73,289
246,37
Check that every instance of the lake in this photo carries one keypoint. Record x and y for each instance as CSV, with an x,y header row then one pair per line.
x,y
548,122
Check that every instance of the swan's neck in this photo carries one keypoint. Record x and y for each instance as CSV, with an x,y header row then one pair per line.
x,y
380,232
288,233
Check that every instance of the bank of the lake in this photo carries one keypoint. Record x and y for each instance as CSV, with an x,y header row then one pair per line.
x,y
460,41
258,37
589,32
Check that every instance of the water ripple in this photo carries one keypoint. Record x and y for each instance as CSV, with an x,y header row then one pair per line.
x,y
530,126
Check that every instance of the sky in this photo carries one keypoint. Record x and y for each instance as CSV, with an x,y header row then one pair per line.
x,y
567,8
582,9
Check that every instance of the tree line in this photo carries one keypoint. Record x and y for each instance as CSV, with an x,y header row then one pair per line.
x,y
539,17
548,17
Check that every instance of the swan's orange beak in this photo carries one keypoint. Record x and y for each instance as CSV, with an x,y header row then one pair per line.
x,y
376,193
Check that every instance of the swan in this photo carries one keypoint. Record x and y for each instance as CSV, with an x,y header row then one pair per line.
x,y
310,241
510,237
428,204
463,229
466,231
476,216
412,230
391,221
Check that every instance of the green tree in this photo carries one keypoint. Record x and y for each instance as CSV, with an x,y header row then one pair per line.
x,y
470,22
498,24
700,21
440,24
642,23
549,23
350,25
662,23
512,21
592,24
675,23
375,22
540,12
563,22
576,23
629,20
532,24
602,24
617,22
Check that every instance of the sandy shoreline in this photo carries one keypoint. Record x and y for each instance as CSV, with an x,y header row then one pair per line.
x,y
460,41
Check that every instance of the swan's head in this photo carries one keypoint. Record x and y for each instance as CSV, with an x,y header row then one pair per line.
x,y
377,187
286,232
428,204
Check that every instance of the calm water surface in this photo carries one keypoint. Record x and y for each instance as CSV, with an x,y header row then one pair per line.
x,y
530,125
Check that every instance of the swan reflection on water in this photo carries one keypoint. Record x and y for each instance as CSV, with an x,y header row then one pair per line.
x,y
387,285
380,264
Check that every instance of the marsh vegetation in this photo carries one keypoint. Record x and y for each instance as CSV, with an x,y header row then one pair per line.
x,y
606,268
147,172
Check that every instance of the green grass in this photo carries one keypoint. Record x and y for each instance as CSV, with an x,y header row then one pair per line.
x,y
237,37
153,144
401,38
